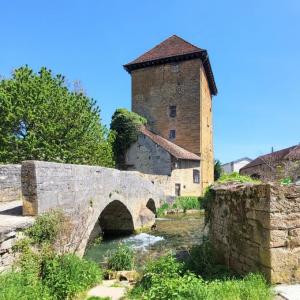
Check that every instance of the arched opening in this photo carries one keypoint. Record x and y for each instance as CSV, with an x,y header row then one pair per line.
x,y
151,205
116,219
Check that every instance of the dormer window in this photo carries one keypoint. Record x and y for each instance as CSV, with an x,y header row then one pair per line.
x,y
172,111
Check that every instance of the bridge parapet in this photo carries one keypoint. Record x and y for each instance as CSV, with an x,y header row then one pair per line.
x,y
108,198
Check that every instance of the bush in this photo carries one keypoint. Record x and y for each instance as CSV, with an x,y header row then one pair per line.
x,y
121,259
202,260
161,210
187,202
125,125
164,267
46,227
16,285
236,177
67,275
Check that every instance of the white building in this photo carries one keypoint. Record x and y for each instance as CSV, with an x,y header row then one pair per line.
x,y
235,166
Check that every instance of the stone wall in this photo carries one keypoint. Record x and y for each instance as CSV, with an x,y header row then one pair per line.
x,y
256,227
85,192
10,183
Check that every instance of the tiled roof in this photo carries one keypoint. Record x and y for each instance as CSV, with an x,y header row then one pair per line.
x,y
173,49
290,153
172,46
170,147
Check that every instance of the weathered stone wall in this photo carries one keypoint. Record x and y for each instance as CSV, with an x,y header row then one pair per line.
x,y
84,192
10,183
256,227
147,157
158,165
155,88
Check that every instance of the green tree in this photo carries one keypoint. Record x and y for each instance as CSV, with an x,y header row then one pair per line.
x,y
41,118
125,125
217,169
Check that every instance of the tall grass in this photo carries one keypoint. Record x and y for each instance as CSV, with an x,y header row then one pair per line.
x,y
121,259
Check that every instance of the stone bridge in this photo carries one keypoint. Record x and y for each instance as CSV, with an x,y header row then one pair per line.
x,y
97,199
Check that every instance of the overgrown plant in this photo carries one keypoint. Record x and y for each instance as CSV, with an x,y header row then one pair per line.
x,y
125,125
43,272
121,259
236,177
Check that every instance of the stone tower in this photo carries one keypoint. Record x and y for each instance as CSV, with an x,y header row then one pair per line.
x,y
172,86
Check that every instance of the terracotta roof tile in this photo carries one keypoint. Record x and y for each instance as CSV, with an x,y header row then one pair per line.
x,y
174,49
170,147
172,46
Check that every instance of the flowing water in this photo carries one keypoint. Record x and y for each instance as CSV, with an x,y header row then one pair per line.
x,y
173,233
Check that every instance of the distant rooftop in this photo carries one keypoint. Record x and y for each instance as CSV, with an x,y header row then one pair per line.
x,y
175,150
291,153
174,49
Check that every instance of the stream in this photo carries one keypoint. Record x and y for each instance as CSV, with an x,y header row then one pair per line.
x,y
173,233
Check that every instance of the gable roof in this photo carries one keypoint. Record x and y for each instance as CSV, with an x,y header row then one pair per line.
x,y
291,153
174,49
175,150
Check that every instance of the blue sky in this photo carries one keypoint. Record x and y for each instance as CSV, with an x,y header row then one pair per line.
x,y
254,48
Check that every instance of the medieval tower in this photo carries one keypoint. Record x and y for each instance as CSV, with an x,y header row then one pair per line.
x,y
172,87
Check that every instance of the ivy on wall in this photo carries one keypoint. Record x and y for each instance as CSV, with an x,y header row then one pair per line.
x,y
125,125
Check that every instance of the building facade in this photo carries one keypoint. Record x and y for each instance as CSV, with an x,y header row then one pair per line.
x,y
236,165
172,87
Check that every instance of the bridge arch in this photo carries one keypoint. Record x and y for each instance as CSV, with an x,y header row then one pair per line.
x,y
151,205
116,219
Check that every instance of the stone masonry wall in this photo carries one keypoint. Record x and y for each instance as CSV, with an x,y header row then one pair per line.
x,y
256,227
10,183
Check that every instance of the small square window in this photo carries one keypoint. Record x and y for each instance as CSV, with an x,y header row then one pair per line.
x,y
172,111
196,176
172,134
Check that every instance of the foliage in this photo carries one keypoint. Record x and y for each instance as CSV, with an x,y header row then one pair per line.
x,y
181,202
162,209
42,273
217,170
41,118
236,177
67,275
165,279
125,125
46,227
187,202
121,259
17,285
202,260
286,181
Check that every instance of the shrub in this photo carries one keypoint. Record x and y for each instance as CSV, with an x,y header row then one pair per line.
x,y
46,227
161,210
187,202
125,124
67,275
202,260
121,259
165,267
236,177
16,285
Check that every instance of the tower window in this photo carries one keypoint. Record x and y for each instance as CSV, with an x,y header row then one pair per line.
x,y
196,176
172,111
172,134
